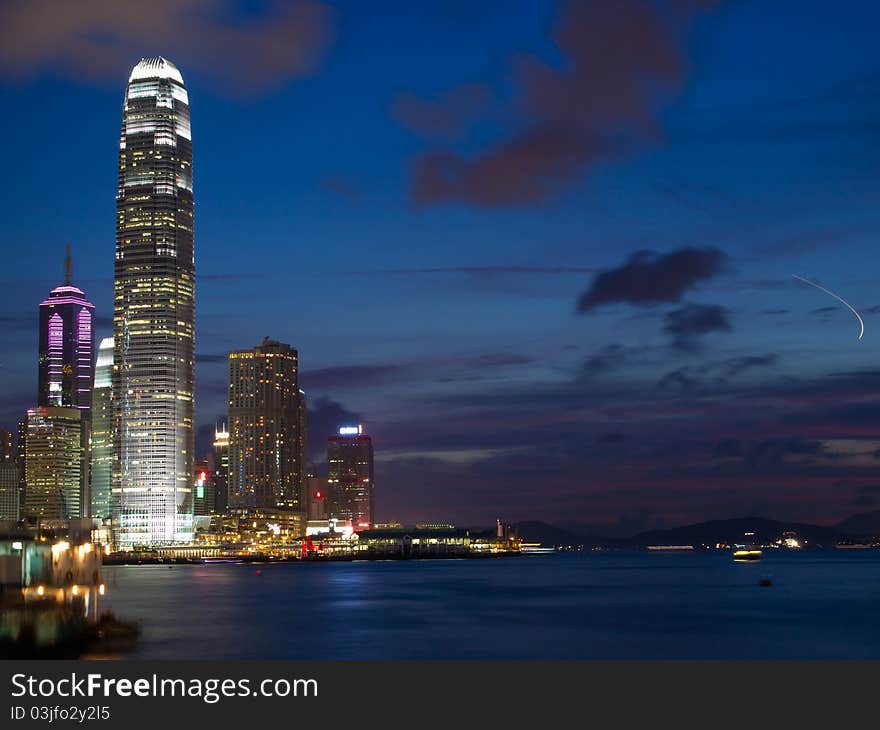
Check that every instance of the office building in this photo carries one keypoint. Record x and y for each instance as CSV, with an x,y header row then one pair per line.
x,y
203,485
350,486
54,463
66,344
7,445
101,451
221,469
10,491
266,468
154,313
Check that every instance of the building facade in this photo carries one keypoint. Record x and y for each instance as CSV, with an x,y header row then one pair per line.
x,y
154,312
10,492
10,479
101,451
221,469
350,486
203,486
66,347
54,464
266,463
7,445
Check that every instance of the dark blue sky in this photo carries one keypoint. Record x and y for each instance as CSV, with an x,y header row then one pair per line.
x,y
418,196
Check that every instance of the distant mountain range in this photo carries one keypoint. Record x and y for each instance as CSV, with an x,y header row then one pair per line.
x,y
864,525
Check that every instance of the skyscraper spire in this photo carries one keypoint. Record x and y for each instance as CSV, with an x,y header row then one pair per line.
x,y
68,267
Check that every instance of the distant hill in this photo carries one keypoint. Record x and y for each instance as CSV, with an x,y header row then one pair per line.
x,y
866,524
731,531
546,534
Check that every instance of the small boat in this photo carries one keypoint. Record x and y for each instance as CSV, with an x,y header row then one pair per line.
x,y
536,548
220,561
747,552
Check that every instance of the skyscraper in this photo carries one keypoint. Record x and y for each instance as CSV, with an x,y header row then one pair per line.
x,y
10,501
65,365
350,486
154,312
266,467
102,431
203,484
53,463
221,469
10,489
7,445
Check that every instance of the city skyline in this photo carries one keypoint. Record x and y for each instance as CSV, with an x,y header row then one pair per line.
x,y
494,369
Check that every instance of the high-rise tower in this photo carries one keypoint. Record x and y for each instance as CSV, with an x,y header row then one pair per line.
x,y
350,484
66,343
101,471
221,469
265,417
154,312
54,463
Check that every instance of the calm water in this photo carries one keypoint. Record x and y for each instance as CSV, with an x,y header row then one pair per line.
x,y
574,606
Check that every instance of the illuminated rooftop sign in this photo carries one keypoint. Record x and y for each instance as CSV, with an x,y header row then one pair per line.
x,y
351,430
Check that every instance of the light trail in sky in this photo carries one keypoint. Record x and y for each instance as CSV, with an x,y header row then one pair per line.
x,y
838,298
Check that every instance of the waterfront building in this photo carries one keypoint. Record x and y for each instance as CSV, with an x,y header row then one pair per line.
x,y
10,490
432,543
101,451
266,464
54,463
203,485
350,484
221,469
317,498
255,530
154,312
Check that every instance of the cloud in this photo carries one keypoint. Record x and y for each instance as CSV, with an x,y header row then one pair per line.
x,y
324,418
769,452
650,278
687,324
608,358
341,187
492,270
621,61
359,376
367,375
714,374
232,276
448,116
100,40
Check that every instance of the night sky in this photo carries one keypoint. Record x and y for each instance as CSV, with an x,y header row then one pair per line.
x,y
543,251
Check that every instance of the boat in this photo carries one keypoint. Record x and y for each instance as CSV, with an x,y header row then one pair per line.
x,y
747,552
536,548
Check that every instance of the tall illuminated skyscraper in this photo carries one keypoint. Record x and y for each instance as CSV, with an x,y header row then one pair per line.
x,y
265,416
66,344
102,431
154,312
350,485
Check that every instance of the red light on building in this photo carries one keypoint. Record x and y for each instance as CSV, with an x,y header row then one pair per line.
x,y
318,494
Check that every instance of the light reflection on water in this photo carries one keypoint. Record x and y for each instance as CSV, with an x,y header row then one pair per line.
x,y
612,605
